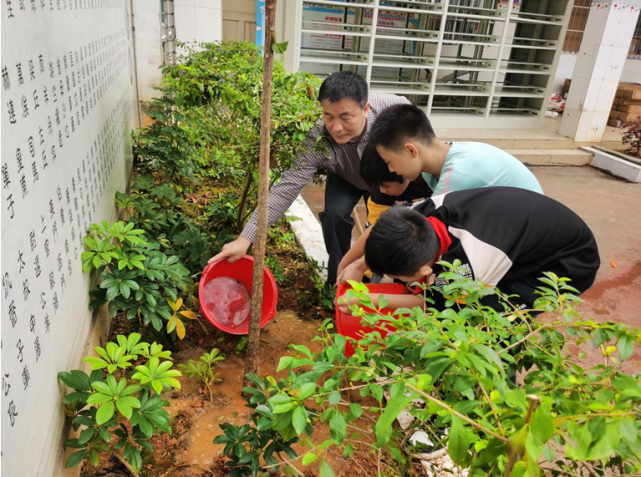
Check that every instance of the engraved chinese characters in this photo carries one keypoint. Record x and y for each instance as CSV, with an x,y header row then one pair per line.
x,y
68,107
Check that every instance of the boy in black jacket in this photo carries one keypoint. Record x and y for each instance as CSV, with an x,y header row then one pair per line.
x,y
504,236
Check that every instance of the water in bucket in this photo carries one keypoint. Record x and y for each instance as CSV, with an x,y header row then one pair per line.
x,y
227,300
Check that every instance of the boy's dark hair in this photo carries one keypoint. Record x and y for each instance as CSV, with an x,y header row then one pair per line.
x,y
344,84
374,171
398,123
400,243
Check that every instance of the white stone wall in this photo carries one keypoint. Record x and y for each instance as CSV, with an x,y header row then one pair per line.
x,y
631,71
68,106
147,37
198,20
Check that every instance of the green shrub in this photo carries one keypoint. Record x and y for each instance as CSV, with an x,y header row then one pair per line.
x,y
452,370
203,369
207,121
116,407
136,277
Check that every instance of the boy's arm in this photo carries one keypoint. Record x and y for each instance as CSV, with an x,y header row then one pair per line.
x,y
353,271
374,211
356,252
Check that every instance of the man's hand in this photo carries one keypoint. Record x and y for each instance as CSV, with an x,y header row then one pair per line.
x,y
344,304
353,271
232,251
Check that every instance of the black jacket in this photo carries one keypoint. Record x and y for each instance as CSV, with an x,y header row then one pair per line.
x,y
504,234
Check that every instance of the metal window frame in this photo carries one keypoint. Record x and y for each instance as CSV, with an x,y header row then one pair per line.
x,y
575,36
508,91
636,53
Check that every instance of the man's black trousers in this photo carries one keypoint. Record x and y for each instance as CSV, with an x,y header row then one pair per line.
x,y
340,199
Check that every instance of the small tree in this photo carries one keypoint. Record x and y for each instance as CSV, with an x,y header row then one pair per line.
x,y
253,344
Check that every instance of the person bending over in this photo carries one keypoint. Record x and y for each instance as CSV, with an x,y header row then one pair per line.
x,y
405,140
407,145
349,110
504,236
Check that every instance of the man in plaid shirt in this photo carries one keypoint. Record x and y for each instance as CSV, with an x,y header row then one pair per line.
x,y
348,111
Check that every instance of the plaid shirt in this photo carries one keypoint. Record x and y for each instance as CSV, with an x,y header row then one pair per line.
x,y
344,160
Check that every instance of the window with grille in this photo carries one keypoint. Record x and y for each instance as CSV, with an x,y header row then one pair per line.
x,y
576,26
635,44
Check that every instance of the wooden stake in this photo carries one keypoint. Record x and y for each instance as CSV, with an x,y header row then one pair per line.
x,y
253,338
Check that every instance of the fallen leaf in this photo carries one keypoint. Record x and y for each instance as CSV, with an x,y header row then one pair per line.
x,y
613,263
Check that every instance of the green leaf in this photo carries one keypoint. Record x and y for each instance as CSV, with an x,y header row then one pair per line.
x,y
377,392
629,431
435,367
348,451
104,434
355,411
284,363
124,408
74,397
606,443
489,354
624,382
533,447
626,347
76,458
101,387
383,429
306,390
75,379
104,413
458,442
542,425
145,444
98,398
94,458
284,407
299,419
334,398
86,435
265,423
325,469
309,458
338,428
280,48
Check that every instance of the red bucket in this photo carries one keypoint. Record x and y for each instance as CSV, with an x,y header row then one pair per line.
x,y
350,326
241,270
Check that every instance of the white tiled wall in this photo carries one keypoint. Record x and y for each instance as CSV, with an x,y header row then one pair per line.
x,y
146,15
199,20
632,71
599,66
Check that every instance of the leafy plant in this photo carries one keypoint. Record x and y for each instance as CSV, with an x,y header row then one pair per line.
x,y
175,322
452,370
120,411
209,90
203,369
136,276
246,445
160,211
